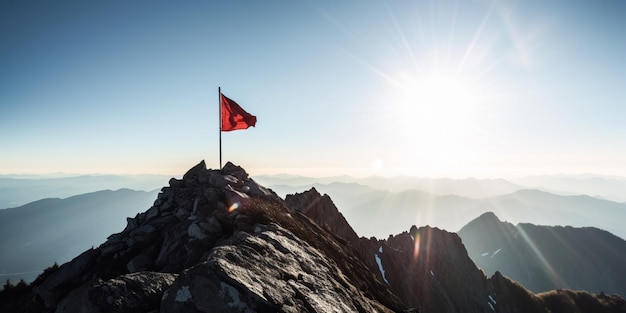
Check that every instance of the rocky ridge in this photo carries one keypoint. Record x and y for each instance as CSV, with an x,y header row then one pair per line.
x,y
544,258
216,241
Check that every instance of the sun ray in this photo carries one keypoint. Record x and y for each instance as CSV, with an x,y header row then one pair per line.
x,y
475,39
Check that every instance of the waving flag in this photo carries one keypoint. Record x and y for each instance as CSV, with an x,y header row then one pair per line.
x,y
233,116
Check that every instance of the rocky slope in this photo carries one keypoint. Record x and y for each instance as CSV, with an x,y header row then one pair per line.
x,y
56,230
216,241
543,258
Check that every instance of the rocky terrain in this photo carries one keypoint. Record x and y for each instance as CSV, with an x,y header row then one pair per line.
x,y
216,241
543,258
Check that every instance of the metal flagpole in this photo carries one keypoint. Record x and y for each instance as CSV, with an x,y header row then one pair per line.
x,y
219,94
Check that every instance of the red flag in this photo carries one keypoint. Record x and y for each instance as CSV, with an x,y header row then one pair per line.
x,y
234,117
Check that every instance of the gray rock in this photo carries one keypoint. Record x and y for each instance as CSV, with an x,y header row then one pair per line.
x,y
195,171
271,271
254,189
195,231
136,292
234,170
69,275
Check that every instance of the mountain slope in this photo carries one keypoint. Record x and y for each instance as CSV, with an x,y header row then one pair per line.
x,y
16,191
40,233
548,257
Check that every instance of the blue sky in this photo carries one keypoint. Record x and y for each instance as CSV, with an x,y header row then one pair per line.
x,y
430,88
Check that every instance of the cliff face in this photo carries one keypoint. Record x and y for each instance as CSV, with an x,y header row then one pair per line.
x,y
216,241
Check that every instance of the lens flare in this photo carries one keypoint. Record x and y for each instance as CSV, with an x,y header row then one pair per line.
x,y
233,207
416,247
547,267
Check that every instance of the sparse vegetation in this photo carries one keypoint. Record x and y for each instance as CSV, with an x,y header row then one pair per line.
x,y
46,272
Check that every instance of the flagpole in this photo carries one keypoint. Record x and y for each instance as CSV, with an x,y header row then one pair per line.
x,y
219,94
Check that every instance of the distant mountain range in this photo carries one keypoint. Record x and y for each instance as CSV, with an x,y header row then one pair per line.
x,y
376,212
609,188
18,190
35,235
603,187
543,258
468,187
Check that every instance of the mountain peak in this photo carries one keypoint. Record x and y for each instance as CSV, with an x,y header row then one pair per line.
x,y
216,240
219,233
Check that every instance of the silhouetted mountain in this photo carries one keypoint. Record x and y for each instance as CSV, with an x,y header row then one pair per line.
x,y
216,241
543,208
40,233
548,257
18,190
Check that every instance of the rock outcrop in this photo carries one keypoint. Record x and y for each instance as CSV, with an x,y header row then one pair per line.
x,y
322,210
216,241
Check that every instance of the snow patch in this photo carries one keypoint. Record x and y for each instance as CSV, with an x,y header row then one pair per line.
x,y
491,306
380,249
380,267
485,254
496,252
183,294
492,299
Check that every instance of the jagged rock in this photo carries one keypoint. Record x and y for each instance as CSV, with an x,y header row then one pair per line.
x,y
175,183
254,189
323,211
195,171
234,170
136,292
52,288
270,270
195,231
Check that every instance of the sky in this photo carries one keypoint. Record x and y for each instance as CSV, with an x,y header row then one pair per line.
x,y
446,88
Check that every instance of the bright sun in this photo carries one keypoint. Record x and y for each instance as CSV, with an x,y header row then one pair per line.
x,y
435,113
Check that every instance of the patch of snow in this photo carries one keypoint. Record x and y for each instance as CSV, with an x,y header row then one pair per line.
x,y
432,273
183,294
412,238
496,252
491,306
492,299
485,254
380,268
380,249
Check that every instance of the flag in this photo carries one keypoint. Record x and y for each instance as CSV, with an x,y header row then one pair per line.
x,y
233,116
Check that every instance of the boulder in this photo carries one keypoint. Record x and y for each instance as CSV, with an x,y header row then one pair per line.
x,y
271,270
136,292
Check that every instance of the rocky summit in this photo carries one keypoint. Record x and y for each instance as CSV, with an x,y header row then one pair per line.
x,y
216,241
